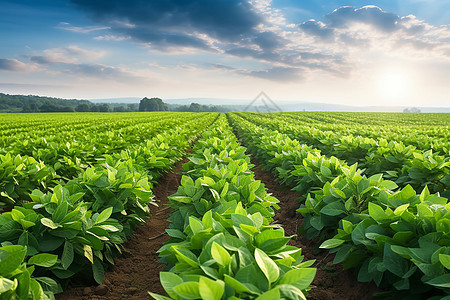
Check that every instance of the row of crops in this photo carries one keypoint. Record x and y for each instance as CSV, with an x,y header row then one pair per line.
x,y
222,244
380,204
73,188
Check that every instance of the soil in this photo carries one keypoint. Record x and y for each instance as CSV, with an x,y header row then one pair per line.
x,y
137,271
331,281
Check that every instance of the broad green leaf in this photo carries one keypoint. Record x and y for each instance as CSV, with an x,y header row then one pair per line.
x,y
333,209
17,215
12,261
301,278
186,256
104,215
442,281
220,254
273,294
394,262
331,243
236,285
60,212
169,281
49,223
6,284
376,212
267,265
188,290
43,260
445,260
98,271
211,289
195,224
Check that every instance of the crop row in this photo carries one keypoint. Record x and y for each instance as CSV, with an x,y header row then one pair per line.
x,y
72,231
393,236
403,164
222,244
397,126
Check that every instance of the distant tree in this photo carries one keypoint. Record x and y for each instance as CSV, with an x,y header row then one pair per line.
x,y
133,107
195,107
83,107
152,104
103,107
120,109
30,108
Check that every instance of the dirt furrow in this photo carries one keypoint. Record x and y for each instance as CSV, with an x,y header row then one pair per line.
x,y
137,271
331,281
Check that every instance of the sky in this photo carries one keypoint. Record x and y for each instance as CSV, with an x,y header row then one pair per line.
x,y
385,52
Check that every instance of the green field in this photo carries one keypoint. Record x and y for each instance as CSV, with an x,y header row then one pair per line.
x,y
374,187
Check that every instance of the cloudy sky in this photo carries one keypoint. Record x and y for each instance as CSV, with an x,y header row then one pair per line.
x,y
386,52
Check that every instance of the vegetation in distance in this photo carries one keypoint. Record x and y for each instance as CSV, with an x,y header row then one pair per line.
x,y
38,104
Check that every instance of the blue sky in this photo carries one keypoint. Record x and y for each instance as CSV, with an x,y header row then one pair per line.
x,y
348,52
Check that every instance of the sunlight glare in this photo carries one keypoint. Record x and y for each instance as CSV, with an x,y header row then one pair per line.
x,y
394,85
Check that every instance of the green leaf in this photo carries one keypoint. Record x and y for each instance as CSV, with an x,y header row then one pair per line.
x,y
98,271
300,278
445,260
376,212
195,224
60,212
331,243
267,265
169,281
43,260
211,289
182,199
220,254
273,294
88,253
236,285
5,285
333,209
186,256
49,223
14,258
67,255
442,281
188,290
394,262
17,215
325,171
104,215
158,297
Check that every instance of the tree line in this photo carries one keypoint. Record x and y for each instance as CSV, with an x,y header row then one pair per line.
x,y
37,104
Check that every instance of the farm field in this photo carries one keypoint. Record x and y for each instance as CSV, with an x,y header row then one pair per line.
x,y
367,192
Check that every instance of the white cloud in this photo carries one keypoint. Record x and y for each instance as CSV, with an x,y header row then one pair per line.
x,y
81,29
14,65
68,54
111,38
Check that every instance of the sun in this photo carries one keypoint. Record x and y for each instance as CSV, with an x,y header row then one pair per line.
x,y
394,85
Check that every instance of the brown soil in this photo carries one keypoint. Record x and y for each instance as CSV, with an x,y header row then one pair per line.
x,y
331,281
137,271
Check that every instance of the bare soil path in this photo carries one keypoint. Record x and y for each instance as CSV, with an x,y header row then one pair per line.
x,y
331,281
137,271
